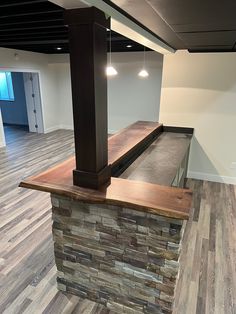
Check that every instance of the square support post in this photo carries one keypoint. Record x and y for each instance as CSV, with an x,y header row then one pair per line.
x,y
88,59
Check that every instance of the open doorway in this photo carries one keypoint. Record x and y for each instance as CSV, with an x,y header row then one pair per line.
x,y
20,104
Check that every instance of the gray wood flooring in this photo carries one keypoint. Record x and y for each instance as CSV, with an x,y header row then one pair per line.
x,y
207,281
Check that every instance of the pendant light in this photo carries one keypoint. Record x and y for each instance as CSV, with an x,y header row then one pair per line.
x,y
110,70
144,73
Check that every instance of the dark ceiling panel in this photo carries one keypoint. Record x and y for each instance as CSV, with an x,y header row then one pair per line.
x,y
226,38
206,24
179,28
200,12
210,49
148,17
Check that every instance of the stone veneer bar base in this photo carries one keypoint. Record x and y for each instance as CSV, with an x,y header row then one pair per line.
x,y
125,259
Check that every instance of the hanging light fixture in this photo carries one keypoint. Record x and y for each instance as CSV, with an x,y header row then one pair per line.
x,y
110,70
144,73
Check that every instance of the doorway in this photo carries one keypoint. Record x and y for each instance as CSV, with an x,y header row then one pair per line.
x,y
20,104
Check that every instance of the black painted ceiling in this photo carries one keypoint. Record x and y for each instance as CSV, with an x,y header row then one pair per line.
x,y
196,25
37,25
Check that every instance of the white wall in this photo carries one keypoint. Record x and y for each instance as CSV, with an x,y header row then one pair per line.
x,y
199,90
130,98
60,66
2,136
17,60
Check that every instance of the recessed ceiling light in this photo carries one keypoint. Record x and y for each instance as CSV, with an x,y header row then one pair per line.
x,y
108,30
129,46
59,48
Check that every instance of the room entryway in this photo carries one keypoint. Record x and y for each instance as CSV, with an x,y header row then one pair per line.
x,y
20,104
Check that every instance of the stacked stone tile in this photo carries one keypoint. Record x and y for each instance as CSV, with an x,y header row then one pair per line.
x,y
125,259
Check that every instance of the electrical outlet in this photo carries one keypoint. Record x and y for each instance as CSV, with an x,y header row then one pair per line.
x,y
233,165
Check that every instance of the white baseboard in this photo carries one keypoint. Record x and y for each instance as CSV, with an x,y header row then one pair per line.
x,y
2,144
211,177
51,129
59,127
69,127
66,127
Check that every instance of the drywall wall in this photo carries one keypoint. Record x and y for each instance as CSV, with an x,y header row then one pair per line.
x,y
15,112
23,61
2,136
199,90
130,98
60,66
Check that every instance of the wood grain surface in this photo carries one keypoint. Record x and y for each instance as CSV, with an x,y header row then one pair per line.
x,y
166,201
207,281
152,198
121,143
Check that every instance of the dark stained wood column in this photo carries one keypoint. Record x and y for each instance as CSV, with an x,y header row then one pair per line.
x,y
88,60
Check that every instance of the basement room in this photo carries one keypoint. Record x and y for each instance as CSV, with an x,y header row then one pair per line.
x,y
117,157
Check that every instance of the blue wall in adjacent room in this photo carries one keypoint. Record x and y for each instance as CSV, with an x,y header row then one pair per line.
x,y
15,112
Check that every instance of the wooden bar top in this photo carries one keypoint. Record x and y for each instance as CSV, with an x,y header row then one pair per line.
x,y
123,142
152,198
143,196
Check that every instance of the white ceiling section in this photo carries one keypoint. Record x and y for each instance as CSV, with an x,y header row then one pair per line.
x,y
120,24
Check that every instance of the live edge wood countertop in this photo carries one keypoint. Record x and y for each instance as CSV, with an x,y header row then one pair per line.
x,y
143,196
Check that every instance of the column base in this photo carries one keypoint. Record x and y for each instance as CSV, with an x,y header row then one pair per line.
x,y
92,180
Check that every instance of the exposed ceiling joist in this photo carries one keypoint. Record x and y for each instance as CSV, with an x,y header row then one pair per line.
x,y
34,30
38,25
8,4
36,42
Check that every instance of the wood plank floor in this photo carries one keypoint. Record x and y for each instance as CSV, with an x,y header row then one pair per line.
x,y
207,281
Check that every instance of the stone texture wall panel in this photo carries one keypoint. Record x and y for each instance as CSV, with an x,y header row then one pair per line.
x,y
125,259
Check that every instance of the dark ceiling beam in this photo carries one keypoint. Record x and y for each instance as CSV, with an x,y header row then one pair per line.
x,y
30,24
42,48
35,42
29,8
34,17
7,4
38,26
117,38
59,32
32,29
29,12
33,38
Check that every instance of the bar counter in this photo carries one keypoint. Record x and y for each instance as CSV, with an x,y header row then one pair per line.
x,y
120,245
160,162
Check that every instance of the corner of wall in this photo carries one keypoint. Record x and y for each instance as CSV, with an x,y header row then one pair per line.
x,y
2,135
58,127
